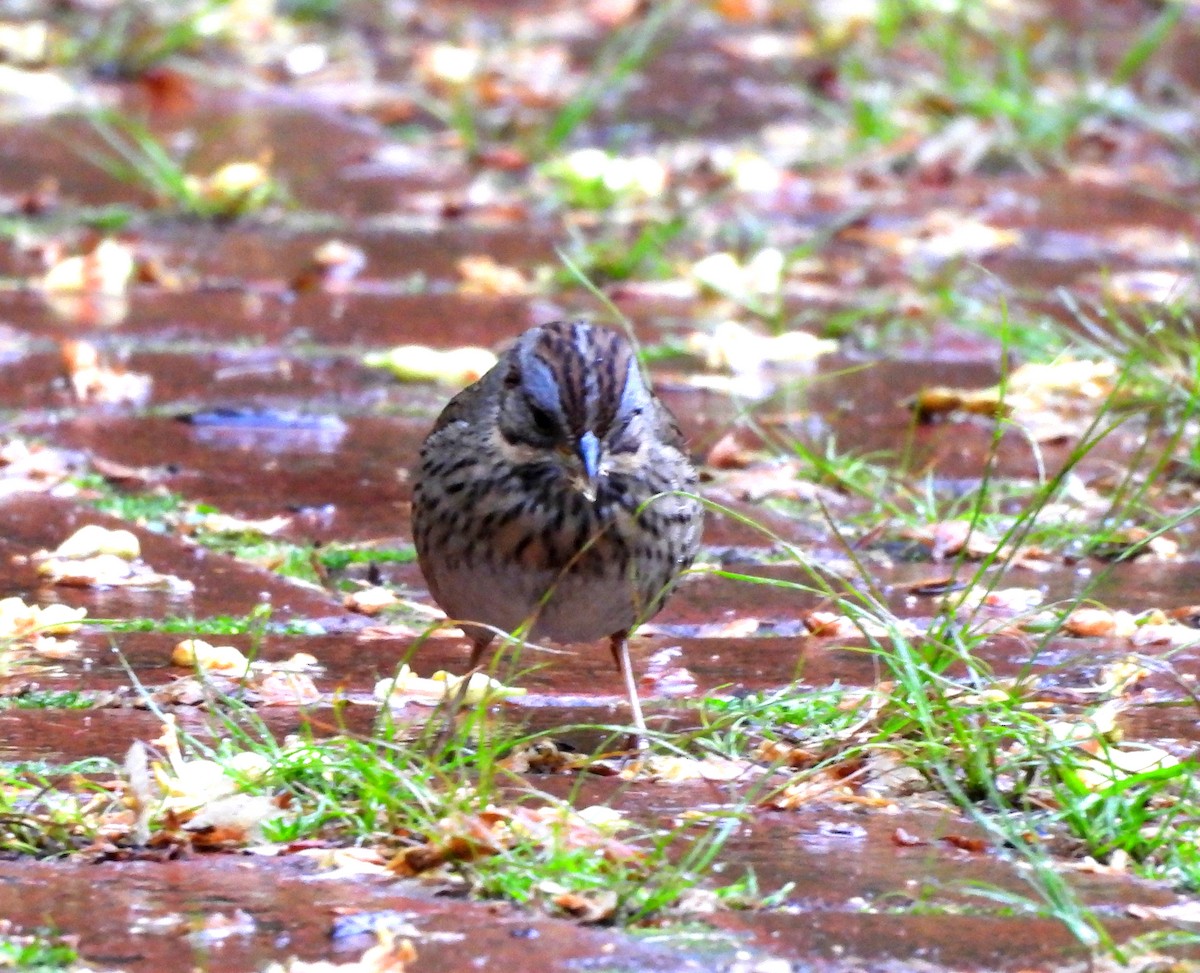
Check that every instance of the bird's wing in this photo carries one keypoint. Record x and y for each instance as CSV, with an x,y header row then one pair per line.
x,y
466,405
668,427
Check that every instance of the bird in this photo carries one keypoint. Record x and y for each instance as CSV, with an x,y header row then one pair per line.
x,y
555,496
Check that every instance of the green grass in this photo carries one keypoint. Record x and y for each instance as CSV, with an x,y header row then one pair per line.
x,y
133,155
129,39
41,951
411,789
1028,84
541,133
621,253
53,810
48,699
797,714
157,510
986,746
163,511
1019,94
252,623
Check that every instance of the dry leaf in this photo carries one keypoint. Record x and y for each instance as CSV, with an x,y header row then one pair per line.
x,y
597,905
94,381
96,557
466,836
1110,765
827,624
218,523
780,754
1098,622
1175,636
481,275
1051,401
419,363
406,686
108,269
92,540
540,757
198,654
733,347
20,621
388,955
370,601
347,862
236,187
728,453
286,689
669,769
966,843
333,266
824,787
235,819
1184,911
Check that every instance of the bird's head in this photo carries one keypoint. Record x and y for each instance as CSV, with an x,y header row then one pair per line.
x,y
573,394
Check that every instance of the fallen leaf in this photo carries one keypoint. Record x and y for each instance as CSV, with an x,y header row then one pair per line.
x,y
370,601
482,275
669,769
108,269
92,540
1184,911
597,905
780,754
733,347
227,524
388,955
466,836
334,264
419,363
198,654
1096,622
1175,636
407,686
234,188
286,689
234,819
347,862
728,453
1051,401
540,757
965,843
93,380
96,557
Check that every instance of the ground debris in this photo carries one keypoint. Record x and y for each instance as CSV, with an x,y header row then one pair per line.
x,y
419,363
466,836
1050,401
31,467
37,628
98,557
406,686
388,955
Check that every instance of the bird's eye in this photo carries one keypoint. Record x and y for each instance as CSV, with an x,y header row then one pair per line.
x,y
543,421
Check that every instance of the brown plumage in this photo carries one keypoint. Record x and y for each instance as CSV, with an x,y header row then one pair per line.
x,y
549,493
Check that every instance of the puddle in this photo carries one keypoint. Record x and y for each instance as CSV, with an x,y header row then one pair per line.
x,y
259,405
222,912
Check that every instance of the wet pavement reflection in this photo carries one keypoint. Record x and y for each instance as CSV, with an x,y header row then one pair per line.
x,y
259,404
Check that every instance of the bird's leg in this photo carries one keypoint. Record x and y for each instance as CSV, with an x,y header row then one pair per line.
x,y
619,643
455,703
477,649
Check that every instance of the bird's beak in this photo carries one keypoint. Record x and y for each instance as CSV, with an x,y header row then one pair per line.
x,y
589,456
